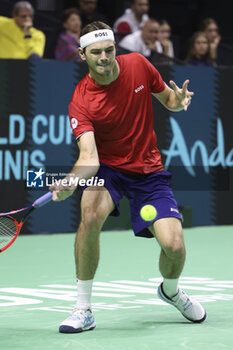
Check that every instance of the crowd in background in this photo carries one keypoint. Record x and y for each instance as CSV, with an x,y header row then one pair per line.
x,y
135,31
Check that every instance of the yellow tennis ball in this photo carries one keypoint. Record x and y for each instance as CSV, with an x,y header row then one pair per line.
x,y
148,212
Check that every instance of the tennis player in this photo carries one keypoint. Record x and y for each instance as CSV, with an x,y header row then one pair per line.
x,y
112,119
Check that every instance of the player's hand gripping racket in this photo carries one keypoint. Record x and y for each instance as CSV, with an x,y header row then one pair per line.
x,y
10,227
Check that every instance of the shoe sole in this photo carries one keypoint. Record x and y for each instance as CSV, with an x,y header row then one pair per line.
x,y
68,329
160,294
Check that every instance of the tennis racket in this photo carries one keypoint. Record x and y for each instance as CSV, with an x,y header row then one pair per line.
x,y
10,227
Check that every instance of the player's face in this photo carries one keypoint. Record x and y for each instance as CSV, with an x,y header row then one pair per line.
x,y
24,18
100,57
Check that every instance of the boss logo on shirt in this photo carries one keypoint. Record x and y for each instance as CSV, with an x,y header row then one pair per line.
x,y
101,34
74,123
139,88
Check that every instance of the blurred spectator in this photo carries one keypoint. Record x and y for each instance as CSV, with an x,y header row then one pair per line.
x,y
165,38
89,12
210,28
69,41
18,38
145,40
132,20
199,53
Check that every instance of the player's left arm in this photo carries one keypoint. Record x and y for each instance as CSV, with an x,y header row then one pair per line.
x,y
175,99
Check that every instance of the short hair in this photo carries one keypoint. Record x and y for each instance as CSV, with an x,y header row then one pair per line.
x,y
96,25
163,22
21,5
68,12
91,27
151,20
206,22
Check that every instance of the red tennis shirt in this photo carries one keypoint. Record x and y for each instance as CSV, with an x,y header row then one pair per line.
x,y
121,115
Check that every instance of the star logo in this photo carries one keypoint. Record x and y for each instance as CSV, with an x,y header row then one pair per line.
x,y
35,178
39,174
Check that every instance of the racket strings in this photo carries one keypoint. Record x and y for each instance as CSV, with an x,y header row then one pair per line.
x,y
8,230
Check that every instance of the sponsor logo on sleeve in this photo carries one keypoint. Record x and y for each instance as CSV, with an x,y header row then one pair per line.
x,y
74,123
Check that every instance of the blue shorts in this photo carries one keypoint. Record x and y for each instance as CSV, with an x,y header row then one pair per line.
x,y
140,190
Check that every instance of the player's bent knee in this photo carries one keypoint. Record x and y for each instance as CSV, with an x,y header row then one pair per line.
x,y
176,250
93,218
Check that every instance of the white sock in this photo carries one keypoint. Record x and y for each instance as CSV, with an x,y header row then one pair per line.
x,y
84,293
170,287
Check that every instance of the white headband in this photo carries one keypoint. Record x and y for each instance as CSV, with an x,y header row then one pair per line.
x,y
95,36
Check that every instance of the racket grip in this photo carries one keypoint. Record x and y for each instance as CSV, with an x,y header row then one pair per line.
x,y
39,202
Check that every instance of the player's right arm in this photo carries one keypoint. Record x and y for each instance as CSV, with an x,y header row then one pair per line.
x,y
85,167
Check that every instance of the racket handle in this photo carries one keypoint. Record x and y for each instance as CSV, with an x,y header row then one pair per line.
x,y
39,202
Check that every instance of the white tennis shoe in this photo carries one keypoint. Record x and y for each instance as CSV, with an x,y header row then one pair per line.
x,y
190,308
78,321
